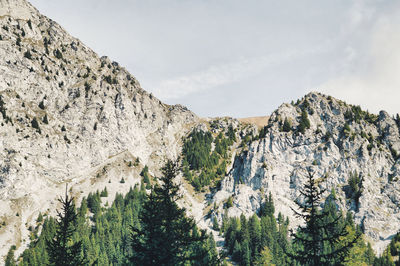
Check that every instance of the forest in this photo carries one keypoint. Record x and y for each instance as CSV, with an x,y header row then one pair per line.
x,y
148,228
202,165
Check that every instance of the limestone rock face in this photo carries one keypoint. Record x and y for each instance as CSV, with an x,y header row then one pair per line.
x,y
66,112
18,9
277,163
70,116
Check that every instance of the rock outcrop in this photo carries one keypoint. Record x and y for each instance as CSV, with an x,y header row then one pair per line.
x,y
342,141
70,116
66,112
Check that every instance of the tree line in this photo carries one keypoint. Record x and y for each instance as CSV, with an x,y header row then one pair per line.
x,y
137,229
143,228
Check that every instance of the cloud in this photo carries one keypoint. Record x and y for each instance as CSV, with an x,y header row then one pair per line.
x,y
275,50
375,82
223,74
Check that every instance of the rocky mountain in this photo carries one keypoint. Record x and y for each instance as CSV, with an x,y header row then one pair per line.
x,y
351,152
71,117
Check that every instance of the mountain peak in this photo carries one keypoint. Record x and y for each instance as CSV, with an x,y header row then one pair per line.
x,y
65,114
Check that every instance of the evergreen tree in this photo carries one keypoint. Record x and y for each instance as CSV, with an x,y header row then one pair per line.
x,y
10,260
208,248
257,241
268,207
61,250
265,258
316,243
286,125
385,260
236,252
105,239
255,235
145,174
246,256
166,234
215,224
229,202
304,122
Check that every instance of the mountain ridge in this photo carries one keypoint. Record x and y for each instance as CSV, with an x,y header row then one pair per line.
x,y
70,116
340,140
65,112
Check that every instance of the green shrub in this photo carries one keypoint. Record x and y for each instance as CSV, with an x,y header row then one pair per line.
x,y
41,105
45,120
58,54
67,139
110,80
35,123
346,129
28,54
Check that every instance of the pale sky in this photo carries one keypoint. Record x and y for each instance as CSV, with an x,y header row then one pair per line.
x,y
245,58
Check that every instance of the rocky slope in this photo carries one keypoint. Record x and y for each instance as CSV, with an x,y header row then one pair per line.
x,y
342,142
69,116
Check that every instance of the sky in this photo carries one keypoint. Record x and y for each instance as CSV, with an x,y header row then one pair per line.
x,y
245,58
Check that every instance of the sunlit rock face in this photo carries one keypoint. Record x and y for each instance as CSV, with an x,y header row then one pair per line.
x,y
277,163
70,116
66,112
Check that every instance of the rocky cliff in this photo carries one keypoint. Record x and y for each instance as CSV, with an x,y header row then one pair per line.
x,y
352,152
69,116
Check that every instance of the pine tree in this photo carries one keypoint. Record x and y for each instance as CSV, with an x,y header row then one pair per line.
x,y
208,248
229,202
215,224
286,125
61,250
385,260
255,234
145,174
10,260
265,258
268,207
166,234
304,122
236,252
246,256
314,243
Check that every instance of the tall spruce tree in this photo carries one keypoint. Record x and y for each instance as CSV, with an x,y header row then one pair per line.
x,y
166,235
316,243
61,250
